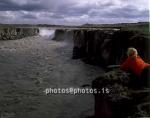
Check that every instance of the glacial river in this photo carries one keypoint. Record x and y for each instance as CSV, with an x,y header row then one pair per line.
x,y
30,65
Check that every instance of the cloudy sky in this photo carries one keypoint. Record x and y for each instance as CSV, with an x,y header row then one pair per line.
x,y
73,11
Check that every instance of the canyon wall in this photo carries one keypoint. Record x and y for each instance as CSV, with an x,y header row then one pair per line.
x,y
104,46
107,46
17,33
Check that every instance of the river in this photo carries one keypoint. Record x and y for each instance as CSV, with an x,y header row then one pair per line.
x,y
30,65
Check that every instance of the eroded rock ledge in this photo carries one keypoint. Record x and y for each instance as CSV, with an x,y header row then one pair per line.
x,y
17,33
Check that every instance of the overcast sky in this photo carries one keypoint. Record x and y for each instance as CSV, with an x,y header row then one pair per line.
x,y
73,11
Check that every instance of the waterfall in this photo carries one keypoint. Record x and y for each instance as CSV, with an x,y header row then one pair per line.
x,y
45,32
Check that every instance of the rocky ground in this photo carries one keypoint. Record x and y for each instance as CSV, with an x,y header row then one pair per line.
x,y
29,66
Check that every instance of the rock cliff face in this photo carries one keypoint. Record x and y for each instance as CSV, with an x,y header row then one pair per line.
x,y
17,33
107,46
104,46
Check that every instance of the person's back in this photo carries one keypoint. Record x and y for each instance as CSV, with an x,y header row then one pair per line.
x,y
137,66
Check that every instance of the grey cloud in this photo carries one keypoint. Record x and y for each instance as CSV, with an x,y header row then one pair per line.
x,y
9,5
56,11
3,17
73,10
127,12
29,16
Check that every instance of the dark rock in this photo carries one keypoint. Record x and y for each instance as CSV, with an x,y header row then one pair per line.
x,y
122,101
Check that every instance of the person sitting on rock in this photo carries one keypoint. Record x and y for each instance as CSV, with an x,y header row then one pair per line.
x,y
135,64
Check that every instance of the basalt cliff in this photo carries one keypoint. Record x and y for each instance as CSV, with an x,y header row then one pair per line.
x,y
104,46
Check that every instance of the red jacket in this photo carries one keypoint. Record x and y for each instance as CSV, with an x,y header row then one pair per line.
x,y
135,65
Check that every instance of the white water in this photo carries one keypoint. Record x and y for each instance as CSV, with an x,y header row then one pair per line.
x,y
44,32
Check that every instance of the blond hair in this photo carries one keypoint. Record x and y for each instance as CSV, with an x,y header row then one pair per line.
x,y
132,52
